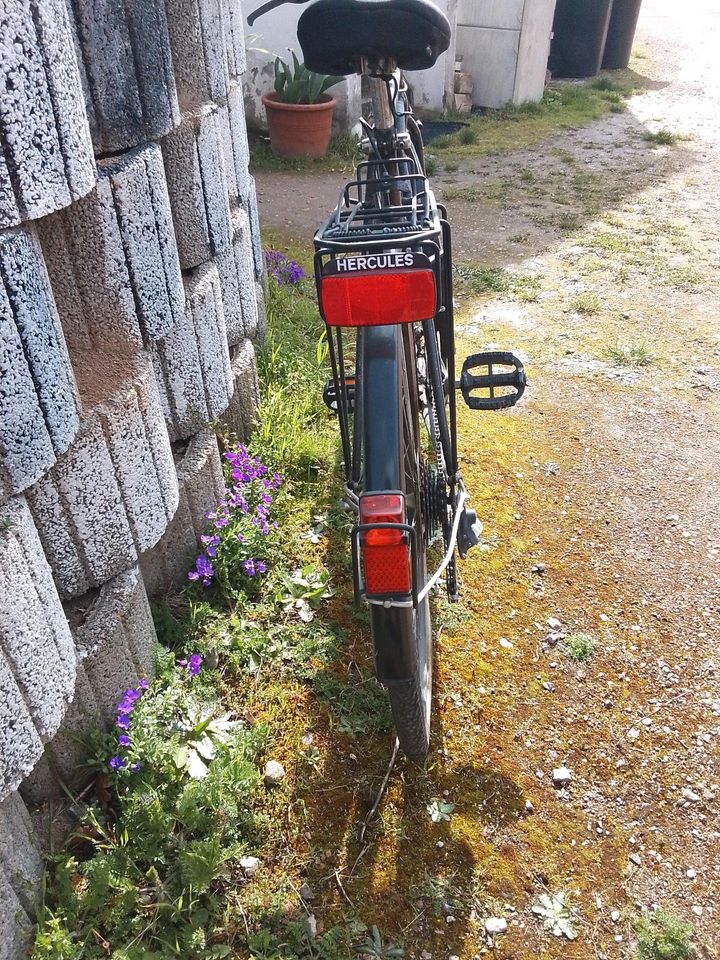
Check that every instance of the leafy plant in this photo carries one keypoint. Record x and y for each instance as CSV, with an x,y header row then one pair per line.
x,y
579,646
374,948
297,84
588,304
439,810
663,936
302,591
554,909
635,355
662,137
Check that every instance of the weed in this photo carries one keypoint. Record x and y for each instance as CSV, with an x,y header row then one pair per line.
x,y
662,137
468,135
440,811
431,165
451,167
579,646
374,948
439,892
342,154
568,222
683,278
663,936
606,84
478,280
587,304
359,708
302,591
554,909
636,355
443,143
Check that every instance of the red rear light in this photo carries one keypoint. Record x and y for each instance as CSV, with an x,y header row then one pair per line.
x,y
385,552
377,298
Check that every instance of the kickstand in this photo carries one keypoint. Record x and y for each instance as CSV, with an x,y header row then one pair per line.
x,y
381,792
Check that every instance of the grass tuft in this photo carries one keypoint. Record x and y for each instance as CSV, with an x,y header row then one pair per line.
x,y
588,304
662,137
663,936
473,279
579,646
636,355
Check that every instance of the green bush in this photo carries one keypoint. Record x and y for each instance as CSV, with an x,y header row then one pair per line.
x,y
663,936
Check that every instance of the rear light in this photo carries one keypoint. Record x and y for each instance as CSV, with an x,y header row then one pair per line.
x,y
385,552
378,298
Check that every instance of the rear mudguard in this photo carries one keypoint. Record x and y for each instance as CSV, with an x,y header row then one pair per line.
x,y
381,353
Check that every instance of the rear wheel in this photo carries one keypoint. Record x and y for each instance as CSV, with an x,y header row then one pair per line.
x,y
392,461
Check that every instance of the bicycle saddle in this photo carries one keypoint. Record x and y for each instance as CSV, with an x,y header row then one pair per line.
x,y
335,34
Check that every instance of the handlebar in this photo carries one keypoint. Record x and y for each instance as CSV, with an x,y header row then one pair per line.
x,y
267,7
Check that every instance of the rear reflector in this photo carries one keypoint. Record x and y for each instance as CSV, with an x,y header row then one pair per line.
x,y
378,298
385,552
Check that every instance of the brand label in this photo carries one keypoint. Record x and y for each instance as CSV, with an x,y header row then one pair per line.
x,y
376,261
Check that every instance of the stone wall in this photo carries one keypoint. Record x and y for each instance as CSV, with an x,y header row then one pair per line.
x,y
130,306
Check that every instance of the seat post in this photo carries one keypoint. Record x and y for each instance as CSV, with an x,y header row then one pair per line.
x,y
377,75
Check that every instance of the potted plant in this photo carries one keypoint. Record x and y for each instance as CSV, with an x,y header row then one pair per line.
x,y
299,111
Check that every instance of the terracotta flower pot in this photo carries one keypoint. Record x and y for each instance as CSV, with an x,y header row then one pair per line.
x,y
299,129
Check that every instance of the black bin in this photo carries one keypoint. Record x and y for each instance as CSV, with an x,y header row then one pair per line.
x,y
621,34
579,31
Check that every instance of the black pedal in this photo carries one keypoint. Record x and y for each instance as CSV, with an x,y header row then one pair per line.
x,y
510,379
330,395
469,531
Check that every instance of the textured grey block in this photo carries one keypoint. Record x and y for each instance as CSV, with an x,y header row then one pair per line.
x,y
39,406
20,743
47,154
115,638
197,184
35,640
235,143
240,415
201,485
20,856
124,49
62,763
112,258
192,363
237,281
234,28
250,204
197,41
15,926
112,494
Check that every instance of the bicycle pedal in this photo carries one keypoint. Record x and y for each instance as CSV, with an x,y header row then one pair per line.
x,y
331,394
510,379
469,531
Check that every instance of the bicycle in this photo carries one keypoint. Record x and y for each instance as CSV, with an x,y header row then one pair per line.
x,y
383,268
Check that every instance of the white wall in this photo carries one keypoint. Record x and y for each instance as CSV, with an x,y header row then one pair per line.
x,y
431,87
270,36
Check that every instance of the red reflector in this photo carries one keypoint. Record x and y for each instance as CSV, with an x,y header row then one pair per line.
x,y
385,552
374,299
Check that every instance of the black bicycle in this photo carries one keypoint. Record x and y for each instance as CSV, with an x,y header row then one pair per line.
x,y
383,265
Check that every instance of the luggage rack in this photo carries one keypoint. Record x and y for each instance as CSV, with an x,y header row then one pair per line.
x,y
378,207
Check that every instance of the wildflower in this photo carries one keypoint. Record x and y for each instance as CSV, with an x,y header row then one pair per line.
x,y
249,567
123,722
136,767
183,663
143,685
117,763
124,740
211,545
260,566
194,664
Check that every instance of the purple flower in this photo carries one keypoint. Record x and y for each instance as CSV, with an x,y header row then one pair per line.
x,y
143,685
183,663
249,567
117,763
260,566
194,664
123,722
136,767
124,740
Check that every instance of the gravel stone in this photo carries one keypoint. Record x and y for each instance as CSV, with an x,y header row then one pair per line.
x,y
274,773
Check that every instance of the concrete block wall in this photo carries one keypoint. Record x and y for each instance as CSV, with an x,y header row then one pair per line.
x,y
130,296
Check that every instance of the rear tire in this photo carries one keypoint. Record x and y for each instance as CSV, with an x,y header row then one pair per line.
x,y
391,461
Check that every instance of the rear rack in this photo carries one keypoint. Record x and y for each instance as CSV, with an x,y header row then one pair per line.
x,y
381,206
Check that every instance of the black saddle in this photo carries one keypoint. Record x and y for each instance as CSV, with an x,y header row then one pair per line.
x,y
335,34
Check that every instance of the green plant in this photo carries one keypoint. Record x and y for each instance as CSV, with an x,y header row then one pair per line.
x,y
662,137
579,646
451,167
468,135
636,355
302,591
588,304
440,892
663,936
374,948
477,280
554,910
431,165
439,810
297,84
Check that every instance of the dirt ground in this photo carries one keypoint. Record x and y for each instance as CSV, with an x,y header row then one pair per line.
x,y
599,496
